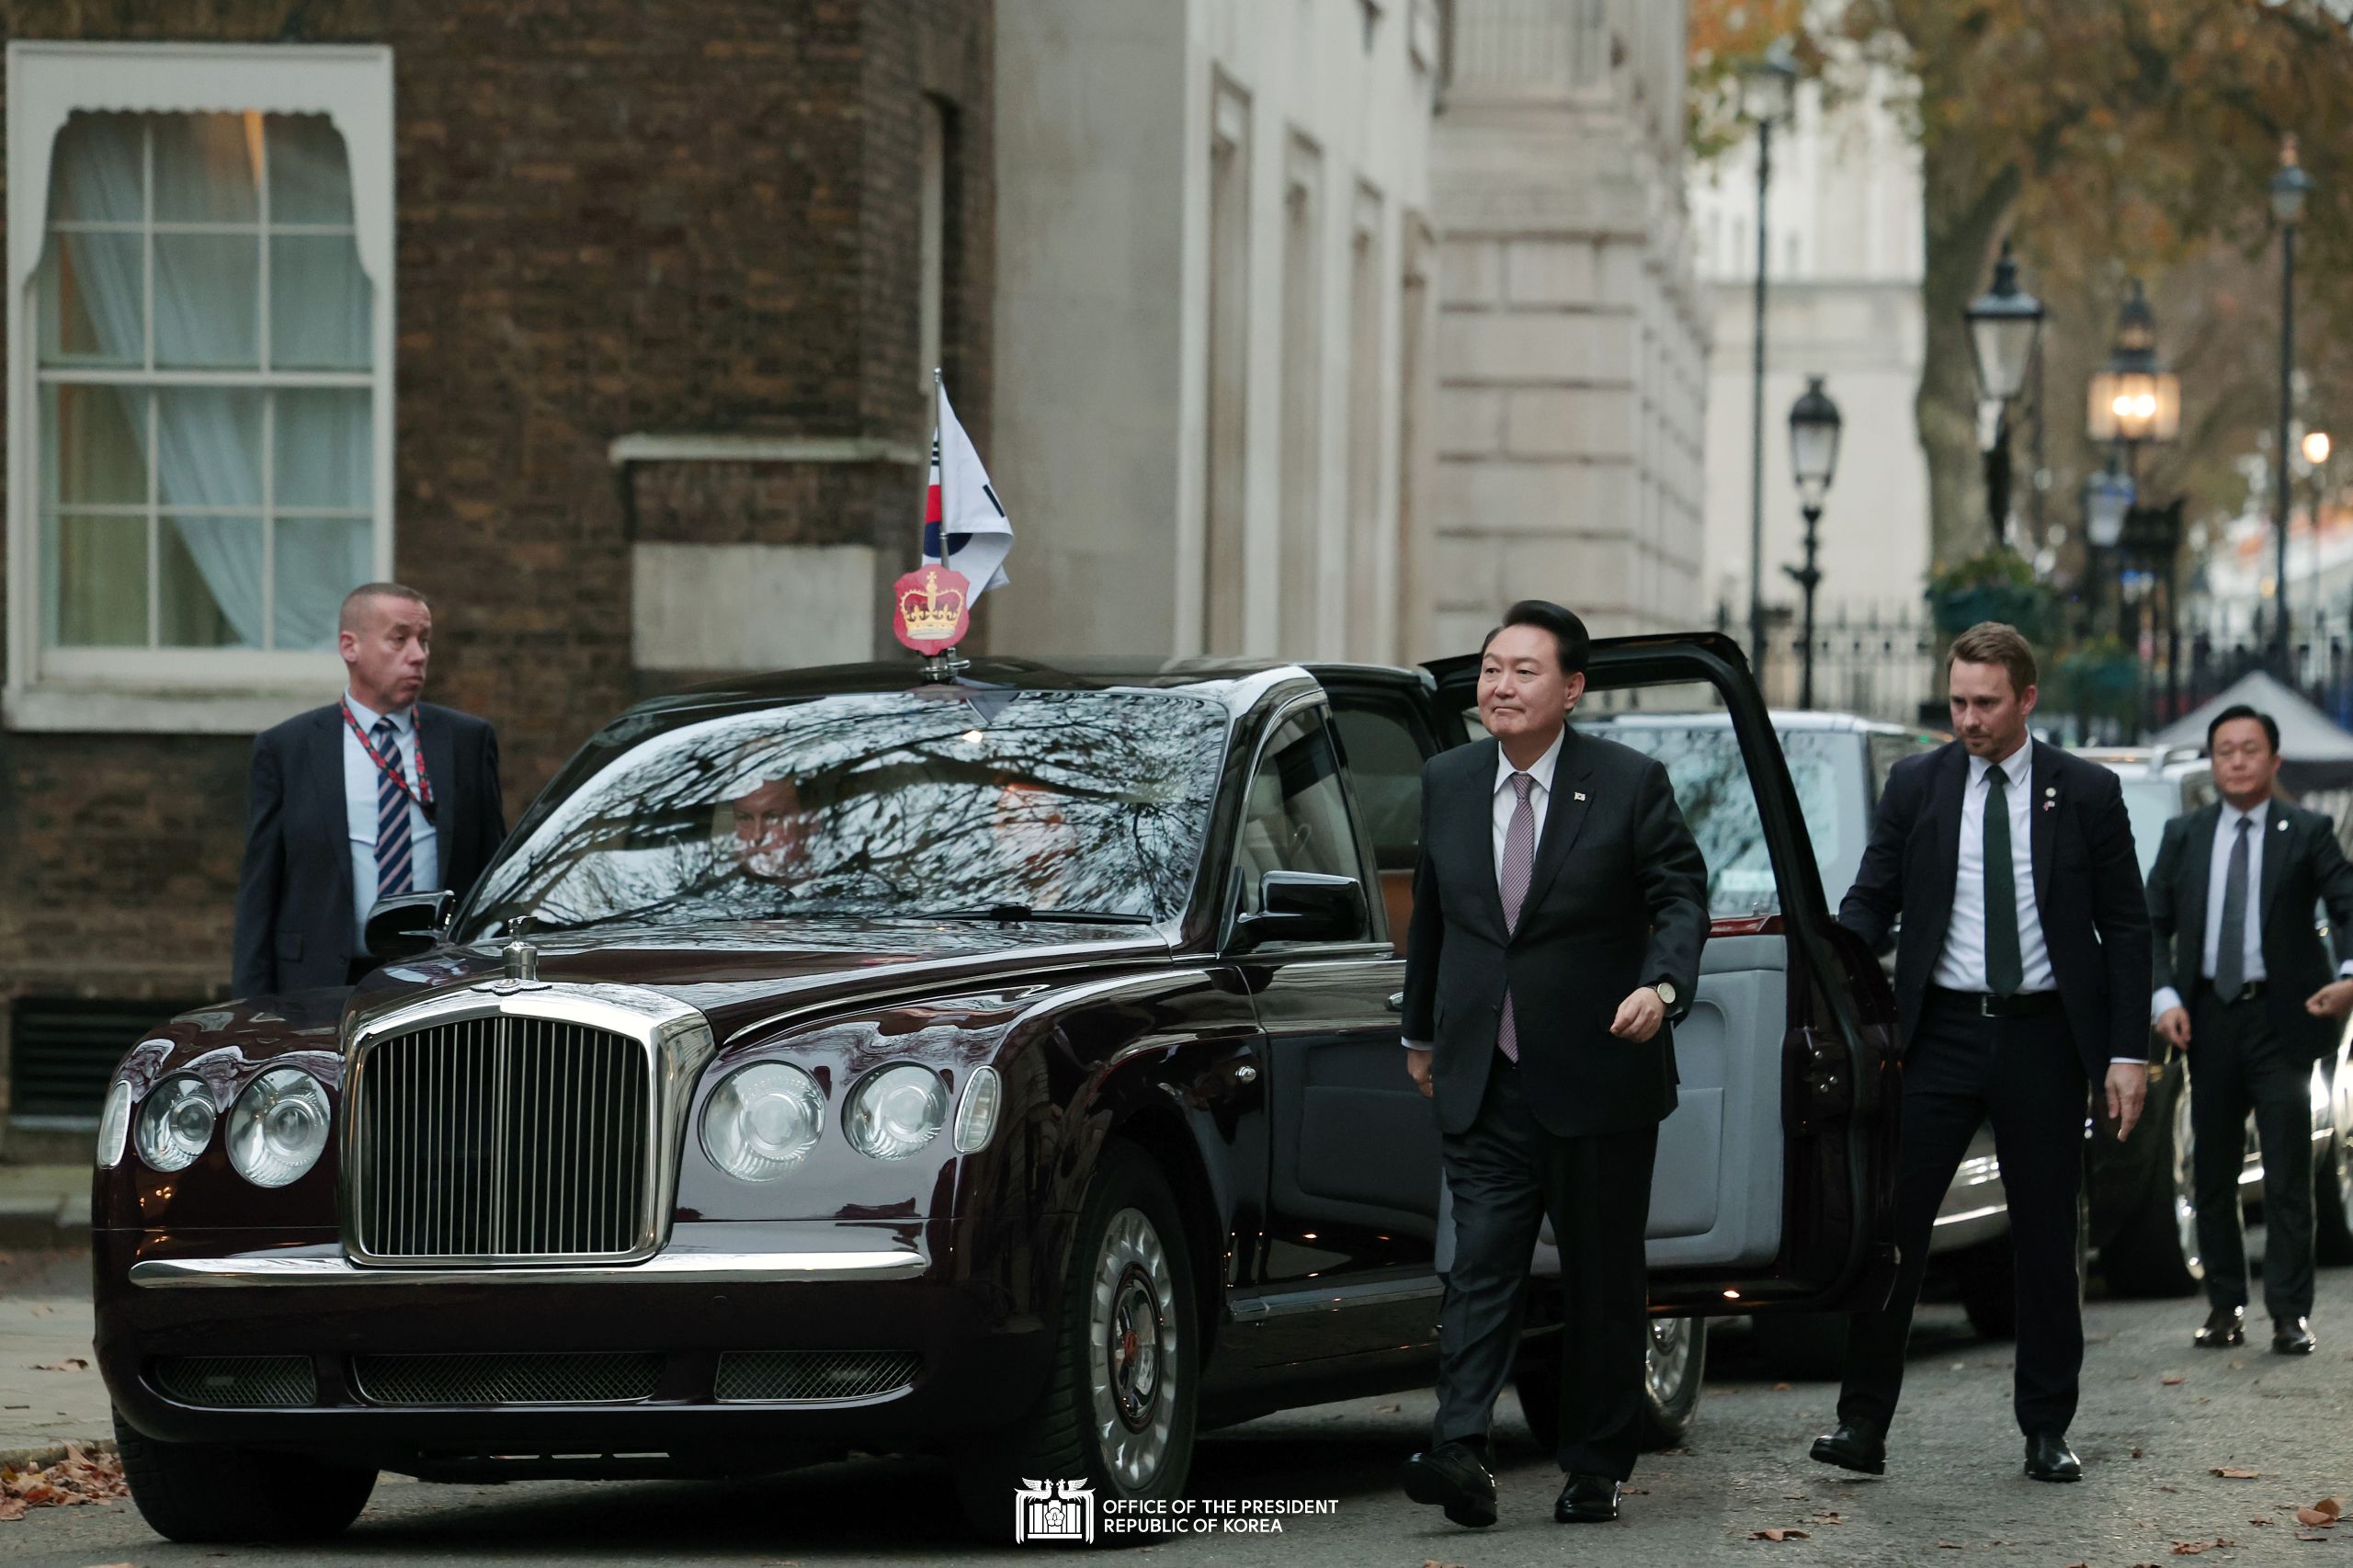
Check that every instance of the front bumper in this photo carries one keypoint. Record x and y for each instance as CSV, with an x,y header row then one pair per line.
x,y
970,1302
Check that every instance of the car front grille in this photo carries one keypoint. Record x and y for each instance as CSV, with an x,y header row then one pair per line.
x,y
502,1138
237,1382
815,1374
577,1378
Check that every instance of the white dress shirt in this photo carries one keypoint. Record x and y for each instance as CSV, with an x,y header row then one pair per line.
x,y
1505,805
2218,876
1961,966
359,777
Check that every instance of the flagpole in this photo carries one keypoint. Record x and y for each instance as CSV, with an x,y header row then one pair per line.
x,y
943,665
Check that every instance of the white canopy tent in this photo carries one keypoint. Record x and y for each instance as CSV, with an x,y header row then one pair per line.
x,y
2318,753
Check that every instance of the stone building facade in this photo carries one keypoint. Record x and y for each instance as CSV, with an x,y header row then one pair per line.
x,y
608,326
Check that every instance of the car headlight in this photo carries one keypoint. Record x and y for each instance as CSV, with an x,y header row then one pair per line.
x,y
278,1127
176,1124
114,1126
762,1121
976,1112
895,1112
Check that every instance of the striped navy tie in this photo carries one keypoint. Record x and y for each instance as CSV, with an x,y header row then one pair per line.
x,y
393,845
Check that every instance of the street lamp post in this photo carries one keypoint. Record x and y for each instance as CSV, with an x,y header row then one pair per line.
x,y
2004,324
2135,399
1767,96
1814,458
2107,496
2316,448
2289,188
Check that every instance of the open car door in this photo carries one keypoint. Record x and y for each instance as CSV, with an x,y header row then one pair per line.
x,y
1776,1172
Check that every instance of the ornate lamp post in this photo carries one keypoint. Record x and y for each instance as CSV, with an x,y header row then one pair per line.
x,y
1814,458
2316,448
2289,188
2135,399
1768,97
2004,323
2107,496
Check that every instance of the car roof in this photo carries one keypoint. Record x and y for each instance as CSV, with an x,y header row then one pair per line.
x,y
2149,762
1782,718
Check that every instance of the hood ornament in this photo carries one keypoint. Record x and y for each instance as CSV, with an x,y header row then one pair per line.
x,y
520,961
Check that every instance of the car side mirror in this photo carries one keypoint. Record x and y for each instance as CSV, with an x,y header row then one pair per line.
x,y
1302,906
412,924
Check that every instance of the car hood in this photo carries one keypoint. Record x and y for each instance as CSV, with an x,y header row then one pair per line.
x,y
742,975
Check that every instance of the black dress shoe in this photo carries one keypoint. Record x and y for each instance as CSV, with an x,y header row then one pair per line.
x,y
1450,1476
1586,1500
2225,1327
2047,1458
2291,1336
1857,1445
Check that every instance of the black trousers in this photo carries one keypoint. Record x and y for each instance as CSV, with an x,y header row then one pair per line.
x,y
2024,1076
2237,1064
1506,1174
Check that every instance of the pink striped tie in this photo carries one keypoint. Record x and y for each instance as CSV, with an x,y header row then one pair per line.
x,y
1519,867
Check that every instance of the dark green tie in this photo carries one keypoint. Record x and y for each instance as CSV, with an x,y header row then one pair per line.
x,y
2004,969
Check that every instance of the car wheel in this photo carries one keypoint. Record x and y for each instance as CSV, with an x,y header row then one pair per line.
x,y
1118,1416
2332,1176
205,1493
1675,1367
1807,1346
2154,1250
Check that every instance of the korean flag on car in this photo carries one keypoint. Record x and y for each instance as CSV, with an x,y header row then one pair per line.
x,y
962,501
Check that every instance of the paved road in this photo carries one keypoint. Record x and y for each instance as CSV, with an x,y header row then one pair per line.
x,y
1955,1480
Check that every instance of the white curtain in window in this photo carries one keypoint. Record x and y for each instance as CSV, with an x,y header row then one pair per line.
x,y
209,442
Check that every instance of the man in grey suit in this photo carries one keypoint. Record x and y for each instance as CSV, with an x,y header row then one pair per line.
x,y
2243,986
1558,907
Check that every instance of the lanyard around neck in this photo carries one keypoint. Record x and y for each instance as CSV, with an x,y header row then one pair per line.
x,y
422,796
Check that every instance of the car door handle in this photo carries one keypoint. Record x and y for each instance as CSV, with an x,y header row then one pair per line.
x,y
1396,1001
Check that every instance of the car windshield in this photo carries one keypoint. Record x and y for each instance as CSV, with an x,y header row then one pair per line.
x,y
924,802
1712,787
2152,803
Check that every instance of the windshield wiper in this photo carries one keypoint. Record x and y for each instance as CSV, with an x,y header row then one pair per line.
x,y
1013,914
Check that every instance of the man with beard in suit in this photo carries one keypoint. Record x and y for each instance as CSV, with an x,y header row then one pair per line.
x,y
2243,986
1559,908
368,797
2021,975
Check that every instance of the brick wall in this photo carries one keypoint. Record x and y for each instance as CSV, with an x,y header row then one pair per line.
x,y
614,216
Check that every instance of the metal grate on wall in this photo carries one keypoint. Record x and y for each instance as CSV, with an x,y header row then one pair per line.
x,y
63,1052
229,1381
781,1375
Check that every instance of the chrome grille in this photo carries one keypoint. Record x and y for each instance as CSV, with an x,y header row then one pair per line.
x,y
502,1138
580,1377
237,1381
815,1374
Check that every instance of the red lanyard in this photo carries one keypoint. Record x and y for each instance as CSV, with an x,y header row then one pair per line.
x,y
422,796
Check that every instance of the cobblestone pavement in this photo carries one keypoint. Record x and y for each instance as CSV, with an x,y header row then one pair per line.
x,y
2150,1444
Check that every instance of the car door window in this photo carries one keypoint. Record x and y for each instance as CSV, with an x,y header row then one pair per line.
x,y
1384,743
1296,818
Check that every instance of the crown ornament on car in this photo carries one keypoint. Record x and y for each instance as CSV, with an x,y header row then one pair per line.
x,y
930,611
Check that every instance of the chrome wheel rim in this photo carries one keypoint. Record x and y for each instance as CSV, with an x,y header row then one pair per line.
x,y
2185,1188
1668,1361
1134,1360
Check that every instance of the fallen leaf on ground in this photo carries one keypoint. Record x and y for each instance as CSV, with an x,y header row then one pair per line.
x,y
79,1477
1635,1491
71,1364
1948,1545
2171,1380
1779,1535
1793,1497
2192,1548
1781,1388
1434,1562
2169,1488
1384,1410
2307,1535
2321,1515
2236,1473
2259,1522
2136,1453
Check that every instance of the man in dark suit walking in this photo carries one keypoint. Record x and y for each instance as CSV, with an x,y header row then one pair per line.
x,y
1558,907
365,799
2243,986
2020,977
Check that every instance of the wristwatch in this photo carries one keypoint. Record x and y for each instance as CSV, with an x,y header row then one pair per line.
x,y
1666,994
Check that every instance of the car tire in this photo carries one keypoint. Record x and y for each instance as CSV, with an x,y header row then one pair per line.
x,y
1809,1346
1674,1371
211,1493
2154,1250
1118,1416
2333,1174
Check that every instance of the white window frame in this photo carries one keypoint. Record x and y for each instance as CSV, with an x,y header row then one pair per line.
x,y
188,690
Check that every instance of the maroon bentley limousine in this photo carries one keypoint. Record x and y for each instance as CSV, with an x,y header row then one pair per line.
x,y
999,1064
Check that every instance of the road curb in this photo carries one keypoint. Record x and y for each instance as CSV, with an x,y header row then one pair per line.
x,y
42,1459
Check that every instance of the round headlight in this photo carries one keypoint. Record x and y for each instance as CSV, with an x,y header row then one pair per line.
x,y
278,1127
175,1123
114,1126
895,1112
762,1121
976,1112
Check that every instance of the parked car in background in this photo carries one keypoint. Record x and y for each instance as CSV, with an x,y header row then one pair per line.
x,y
2143,1207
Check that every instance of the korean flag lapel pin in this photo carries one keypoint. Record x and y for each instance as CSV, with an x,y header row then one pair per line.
x,y
1580,795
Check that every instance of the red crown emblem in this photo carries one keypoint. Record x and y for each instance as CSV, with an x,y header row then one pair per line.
x,y
933,607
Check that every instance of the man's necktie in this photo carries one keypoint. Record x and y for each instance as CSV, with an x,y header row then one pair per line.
x,y
1519,867
2004,969
2229,944
392,817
